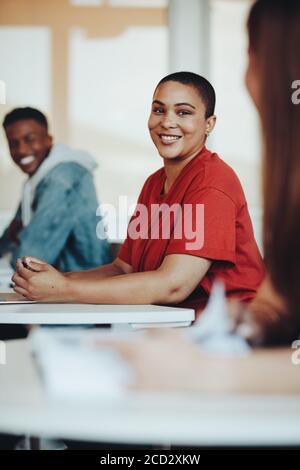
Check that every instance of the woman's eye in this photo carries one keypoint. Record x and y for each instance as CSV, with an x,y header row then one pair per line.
x,y
183,113
158,110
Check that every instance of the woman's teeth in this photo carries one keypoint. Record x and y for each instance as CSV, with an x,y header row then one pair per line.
x,y
169,138
27,160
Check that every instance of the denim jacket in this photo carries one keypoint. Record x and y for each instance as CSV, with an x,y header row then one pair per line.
x,y
62,230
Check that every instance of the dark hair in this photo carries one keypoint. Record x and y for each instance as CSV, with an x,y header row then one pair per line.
x,y
20,114
201,85
274,37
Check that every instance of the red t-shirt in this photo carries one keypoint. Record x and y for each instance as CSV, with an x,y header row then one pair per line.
x,y
211,192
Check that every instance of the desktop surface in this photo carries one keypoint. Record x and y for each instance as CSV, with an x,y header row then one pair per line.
x,y
216,419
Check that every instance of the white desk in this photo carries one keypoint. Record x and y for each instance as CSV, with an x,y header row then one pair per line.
x,y
85,314
183,419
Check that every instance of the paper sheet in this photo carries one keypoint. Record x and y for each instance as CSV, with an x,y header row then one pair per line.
x,y
73,369
13,298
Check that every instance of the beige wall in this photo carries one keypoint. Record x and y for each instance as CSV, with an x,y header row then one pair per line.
x,y
93,70
69,61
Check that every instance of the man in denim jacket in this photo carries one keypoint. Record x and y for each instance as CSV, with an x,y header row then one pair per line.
x,y
56,219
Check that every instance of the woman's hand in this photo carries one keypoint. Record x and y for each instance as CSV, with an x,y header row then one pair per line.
x,y
165,360
162,359
39,281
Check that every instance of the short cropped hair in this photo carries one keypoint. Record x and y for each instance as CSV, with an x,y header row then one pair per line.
x,y
201,85
20,114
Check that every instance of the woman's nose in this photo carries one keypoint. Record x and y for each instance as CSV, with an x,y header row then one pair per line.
x,y
168,121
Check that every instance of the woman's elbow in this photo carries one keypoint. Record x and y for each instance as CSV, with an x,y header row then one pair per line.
x,y
172,295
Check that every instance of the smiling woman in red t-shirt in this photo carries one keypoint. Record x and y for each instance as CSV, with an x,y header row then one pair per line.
x,y
209,232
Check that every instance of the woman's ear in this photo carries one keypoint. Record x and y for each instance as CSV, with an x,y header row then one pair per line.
x,y
210,124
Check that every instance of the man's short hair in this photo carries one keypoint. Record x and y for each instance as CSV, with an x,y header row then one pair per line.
x,y
201,85
21,114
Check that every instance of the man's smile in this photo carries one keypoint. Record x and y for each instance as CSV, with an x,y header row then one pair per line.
x,y
25,161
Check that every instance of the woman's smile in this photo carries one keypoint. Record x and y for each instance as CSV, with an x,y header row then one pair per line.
x,y
169,139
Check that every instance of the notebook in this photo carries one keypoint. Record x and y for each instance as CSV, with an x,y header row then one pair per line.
x,y
13,298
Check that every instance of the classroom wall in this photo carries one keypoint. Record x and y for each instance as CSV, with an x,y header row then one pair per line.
x,y
93,68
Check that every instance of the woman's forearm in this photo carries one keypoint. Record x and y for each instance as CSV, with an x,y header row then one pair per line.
x,y
171,283
96,274
138,288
